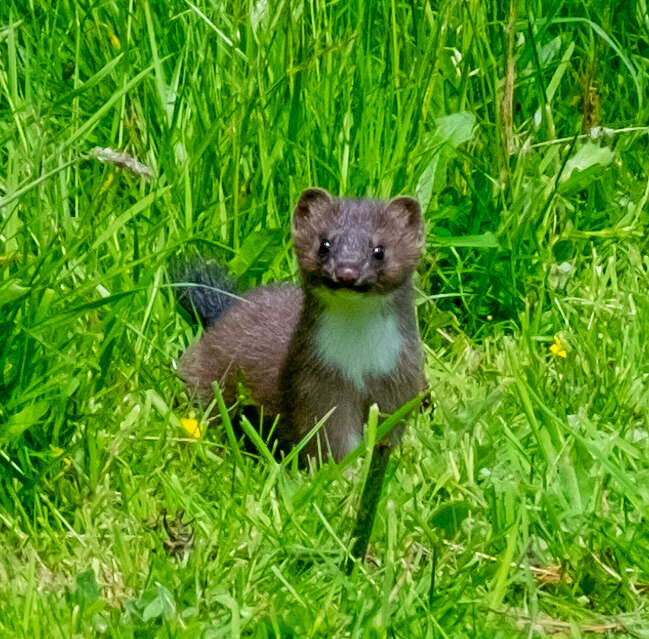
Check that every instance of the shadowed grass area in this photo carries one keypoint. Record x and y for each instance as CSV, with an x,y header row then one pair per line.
x,y
518,507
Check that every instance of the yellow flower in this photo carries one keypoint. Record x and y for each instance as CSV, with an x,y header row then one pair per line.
x,y
191,425
558,349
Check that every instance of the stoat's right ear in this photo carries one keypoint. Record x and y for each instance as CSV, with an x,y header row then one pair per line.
x,y
312,201
406,211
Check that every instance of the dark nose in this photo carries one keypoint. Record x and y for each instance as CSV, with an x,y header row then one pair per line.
x,y
347,274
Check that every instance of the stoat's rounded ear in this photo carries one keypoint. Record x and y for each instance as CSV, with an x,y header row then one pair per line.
x,y
312,201
407,211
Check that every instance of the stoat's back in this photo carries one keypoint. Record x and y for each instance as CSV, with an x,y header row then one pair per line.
x,y
247,345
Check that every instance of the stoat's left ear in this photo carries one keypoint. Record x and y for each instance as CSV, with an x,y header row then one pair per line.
x,y
407,212
312,201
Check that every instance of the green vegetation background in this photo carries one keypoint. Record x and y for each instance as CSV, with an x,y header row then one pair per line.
x,y
519,507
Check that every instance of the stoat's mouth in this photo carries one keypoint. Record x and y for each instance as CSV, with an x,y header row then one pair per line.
x,y
345,286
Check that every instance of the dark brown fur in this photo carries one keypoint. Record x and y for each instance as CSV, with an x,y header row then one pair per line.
x,y
268,340
248,345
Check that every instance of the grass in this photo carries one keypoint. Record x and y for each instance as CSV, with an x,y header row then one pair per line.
x,y
517,507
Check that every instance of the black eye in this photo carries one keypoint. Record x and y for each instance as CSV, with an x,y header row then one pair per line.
x,y
378,253
325,245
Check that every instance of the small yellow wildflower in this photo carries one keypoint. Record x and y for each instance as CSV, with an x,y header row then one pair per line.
x,y
558,349
191,425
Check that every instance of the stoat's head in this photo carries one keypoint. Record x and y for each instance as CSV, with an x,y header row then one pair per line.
x,y
362,246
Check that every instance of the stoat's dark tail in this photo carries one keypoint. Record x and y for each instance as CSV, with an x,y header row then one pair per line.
x,y
204,289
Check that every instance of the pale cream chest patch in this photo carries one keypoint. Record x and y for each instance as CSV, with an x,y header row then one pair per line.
x,y
358,335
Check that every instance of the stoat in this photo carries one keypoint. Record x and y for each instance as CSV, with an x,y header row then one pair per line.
x,y
345,339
